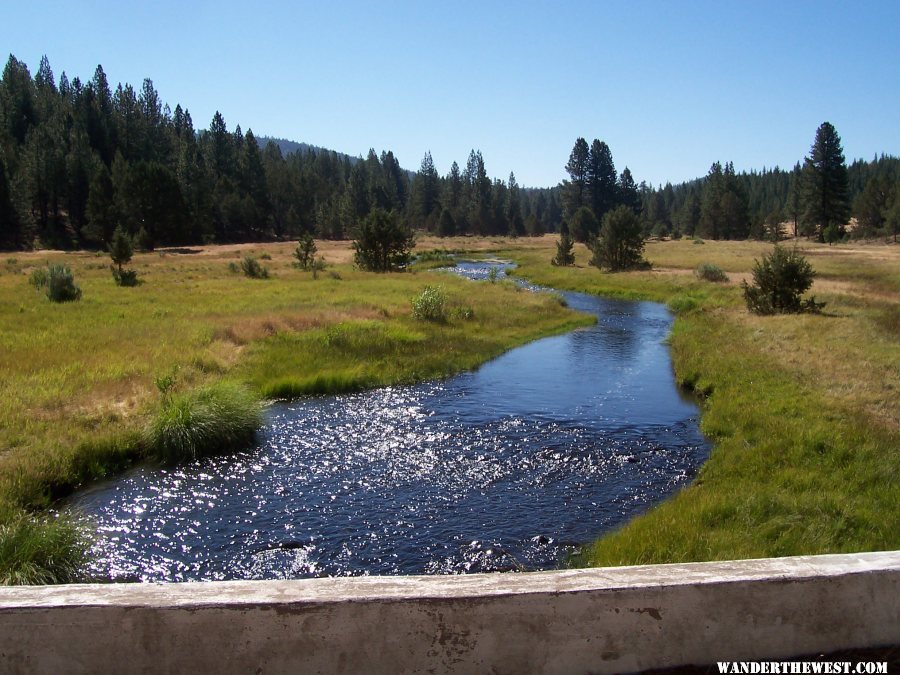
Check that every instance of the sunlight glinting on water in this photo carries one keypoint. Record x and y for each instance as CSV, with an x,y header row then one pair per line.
x,y
509,467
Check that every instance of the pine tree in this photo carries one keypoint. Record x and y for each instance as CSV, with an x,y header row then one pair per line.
x,y
574,190
514,208
826,197
565,256
426,194
601,179
620,245
382,242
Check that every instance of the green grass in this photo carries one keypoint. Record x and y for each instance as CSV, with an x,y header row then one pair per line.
x,y
41,550
78,393
214,419
802,409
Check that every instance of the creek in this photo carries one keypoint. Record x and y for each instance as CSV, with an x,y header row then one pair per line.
x,y
511,466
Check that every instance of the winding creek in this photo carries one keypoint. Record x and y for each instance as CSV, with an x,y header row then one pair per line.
x,y
508,467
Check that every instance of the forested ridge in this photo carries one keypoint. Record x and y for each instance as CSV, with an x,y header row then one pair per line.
x,y
79,159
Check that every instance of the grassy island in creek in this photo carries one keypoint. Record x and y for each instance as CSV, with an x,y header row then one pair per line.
x,y
803,409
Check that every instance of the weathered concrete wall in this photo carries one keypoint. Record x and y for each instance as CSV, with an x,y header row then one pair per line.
x,y
612,619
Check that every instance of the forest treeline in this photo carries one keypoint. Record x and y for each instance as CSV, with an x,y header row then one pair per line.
x,y
770,203
79,159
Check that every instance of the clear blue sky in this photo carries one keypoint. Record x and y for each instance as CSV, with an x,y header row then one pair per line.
x,y
670,86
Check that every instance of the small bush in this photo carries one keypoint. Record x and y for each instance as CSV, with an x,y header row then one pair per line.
x,y
305,253
212,420
41,550
430,304
39,278
698,241
779,281
710,272
124,277
493,273
61,284
251,268
265,256
233,267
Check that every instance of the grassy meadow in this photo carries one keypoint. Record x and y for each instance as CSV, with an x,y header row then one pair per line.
x,y
78,381
804,410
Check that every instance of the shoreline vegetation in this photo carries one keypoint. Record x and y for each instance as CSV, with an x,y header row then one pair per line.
x,y
176,367
801,408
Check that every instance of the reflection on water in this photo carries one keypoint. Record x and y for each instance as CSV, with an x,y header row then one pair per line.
x,y
507,467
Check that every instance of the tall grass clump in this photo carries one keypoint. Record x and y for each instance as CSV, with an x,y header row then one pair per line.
x,y
710,272
214,419
431,304
41,550
251,268
57,281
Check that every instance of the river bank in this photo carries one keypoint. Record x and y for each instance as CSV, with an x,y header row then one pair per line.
x,y
79,380
803,409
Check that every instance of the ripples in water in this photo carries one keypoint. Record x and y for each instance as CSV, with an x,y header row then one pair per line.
x,y
508,467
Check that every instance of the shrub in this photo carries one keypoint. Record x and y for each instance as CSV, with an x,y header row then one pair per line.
x,y
61,284
39,278
430,304
565,256
124,277
305,253
698,241
620,245
251,268
215,419
121,249
382,242
710,272
318,265
779,279
233,267
493,273
41,550
265,256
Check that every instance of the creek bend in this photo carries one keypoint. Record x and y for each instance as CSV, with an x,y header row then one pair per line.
x,y
510,466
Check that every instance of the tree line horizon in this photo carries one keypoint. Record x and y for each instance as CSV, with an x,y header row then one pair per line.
x,y
79,160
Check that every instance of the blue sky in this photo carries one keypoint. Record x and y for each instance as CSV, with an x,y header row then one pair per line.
x,y
670,86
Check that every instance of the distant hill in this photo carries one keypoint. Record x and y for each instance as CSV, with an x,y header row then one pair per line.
x,y
287,147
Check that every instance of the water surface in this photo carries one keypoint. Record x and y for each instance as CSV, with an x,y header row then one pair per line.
x,y
508,467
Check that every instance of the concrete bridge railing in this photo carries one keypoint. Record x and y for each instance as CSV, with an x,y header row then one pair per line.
x,y
586,620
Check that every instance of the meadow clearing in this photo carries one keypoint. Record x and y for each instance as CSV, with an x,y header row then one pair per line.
x,y
803,409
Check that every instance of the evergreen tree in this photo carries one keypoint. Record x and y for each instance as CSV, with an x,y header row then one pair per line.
x,y
826,197
584,225
601,179
628,192
382,242
426,194
514,208
574,190
120,248
101,212
565,256
620,245
446,224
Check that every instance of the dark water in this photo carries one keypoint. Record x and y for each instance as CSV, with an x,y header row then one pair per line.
x,y
508,467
